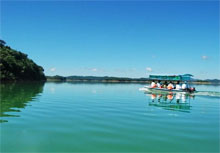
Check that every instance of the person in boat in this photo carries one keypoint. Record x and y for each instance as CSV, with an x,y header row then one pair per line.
x,y
153,84
165,84
158,84
178,87
184,86
170,86
193,89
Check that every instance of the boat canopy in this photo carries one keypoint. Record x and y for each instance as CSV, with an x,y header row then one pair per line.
x,y
185,77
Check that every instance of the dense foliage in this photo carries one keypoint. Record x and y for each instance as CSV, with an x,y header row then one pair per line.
x,y
116,79
56,78
15,65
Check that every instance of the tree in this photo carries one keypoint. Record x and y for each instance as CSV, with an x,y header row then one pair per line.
x,y
2,43
15,65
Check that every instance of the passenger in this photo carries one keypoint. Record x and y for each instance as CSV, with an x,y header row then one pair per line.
x,y
178,87
158,84
184,86
165,84
170,86
153,84
192,89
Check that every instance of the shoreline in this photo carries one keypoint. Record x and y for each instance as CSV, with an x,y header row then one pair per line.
x,y
118,81
79,79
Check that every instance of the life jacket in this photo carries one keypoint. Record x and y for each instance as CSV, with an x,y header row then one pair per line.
x,y
169,87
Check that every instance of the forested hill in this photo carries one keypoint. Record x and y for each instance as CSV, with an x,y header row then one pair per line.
x,y
15,65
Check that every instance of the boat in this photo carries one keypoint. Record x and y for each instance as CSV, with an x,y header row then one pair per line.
x,y
182,78
149,89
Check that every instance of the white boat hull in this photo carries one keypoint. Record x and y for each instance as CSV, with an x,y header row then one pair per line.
x,y
149,89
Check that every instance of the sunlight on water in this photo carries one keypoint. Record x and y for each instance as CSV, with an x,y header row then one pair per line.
x,y
67,117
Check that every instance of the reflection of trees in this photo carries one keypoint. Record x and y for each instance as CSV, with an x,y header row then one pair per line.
x,y
17,95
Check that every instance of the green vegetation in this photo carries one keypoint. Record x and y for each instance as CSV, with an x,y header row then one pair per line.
x,y
56,78
15,65
97,79
107,79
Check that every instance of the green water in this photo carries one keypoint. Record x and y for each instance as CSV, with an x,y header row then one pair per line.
x,y
65,117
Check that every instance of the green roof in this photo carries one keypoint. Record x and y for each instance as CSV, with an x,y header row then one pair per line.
x,y
185,77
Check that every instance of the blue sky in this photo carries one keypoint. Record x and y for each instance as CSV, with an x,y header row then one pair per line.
x,y
127,38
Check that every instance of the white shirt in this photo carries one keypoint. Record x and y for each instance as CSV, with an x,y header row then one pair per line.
x,y
178,87
184,86
158,85
153,84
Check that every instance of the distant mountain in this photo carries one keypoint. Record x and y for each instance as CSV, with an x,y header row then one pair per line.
x,y
15,65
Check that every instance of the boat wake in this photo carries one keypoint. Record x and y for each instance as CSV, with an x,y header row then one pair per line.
x,y
197,93
208,93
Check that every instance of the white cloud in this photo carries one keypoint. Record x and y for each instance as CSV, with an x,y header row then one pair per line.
x,y
94,69
204,57
149,69
53,69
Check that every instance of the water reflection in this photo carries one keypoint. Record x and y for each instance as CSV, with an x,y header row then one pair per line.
x,y
171,101
16,95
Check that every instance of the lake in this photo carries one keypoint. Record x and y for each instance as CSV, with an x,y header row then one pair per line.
x,y
83,117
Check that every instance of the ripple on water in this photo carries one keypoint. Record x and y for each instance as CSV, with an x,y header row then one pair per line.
x,y
110,119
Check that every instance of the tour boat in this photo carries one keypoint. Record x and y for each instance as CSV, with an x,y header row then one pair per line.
x,y
148,88
172,78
